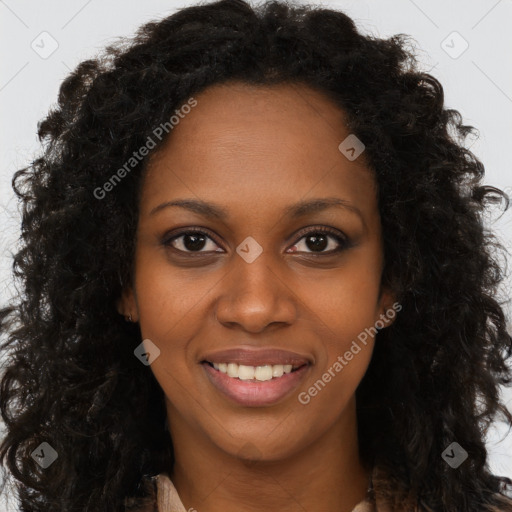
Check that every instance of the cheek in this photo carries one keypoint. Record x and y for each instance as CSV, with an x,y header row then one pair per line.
x,y
345,347
169,308
169,315
165,294
346,300
345,303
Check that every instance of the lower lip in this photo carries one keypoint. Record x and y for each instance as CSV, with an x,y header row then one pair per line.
x,y
255,394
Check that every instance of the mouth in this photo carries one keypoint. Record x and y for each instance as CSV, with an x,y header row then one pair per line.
x,y
258,373
255,386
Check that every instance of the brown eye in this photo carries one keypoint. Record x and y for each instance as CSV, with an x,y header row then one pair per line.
x,y
317,241
191,241
321,241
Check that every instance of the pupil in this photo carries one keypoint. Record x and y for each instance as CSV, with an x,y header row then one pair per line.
x,y
197,241
319,242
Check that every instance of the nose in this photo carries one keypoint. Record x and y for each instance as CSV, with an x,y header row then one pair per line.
x,y
256,295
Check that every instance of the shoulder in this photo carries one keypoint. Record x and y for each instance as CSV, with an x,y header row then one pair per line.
x,y
365,506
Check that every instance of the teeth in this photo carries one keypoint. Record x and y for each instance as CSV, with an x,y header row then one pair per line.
x,y
262,373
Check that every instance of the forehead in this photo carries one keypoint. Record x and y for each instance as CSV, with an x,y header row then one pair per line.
x,y
278,141
240,100
276,114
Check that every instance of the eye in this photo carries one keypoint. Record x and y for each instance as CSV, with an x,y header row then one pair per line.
x,y
190,241
317,240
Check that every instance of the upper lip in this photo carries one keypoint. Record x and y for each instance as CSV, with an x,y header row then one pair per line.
x,y
256,357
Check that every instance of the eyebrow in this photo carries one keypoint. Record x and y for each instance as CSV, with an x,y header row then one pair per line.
x,y
295,210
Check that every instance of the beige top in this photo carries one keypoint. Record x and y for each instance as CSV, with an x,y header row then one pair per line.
x,y
169,501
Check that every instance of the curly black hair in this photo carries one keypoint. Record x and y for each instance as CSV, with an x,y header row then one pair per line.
x,y
71,379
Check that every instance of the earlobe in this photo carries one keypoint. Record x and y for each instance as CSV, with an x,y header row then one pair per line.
x,y
126,305
389,309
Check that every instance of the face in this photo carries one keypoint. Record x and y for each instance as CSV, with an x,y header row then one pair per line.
x,y
258,272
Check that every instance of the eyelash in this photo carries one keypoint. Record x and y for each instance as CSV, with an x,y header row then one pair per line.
x,y
342,240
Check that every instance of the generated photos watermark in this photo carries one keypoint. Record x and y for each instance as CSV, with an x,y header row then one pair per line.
x,y
342,360
144,150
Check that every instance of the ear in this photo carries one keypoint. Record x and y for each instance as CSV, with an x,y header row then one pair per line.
x,y
388,308
127,305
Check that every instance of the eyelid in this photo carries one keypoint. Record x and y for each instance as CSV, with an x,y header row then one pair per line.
x,y
341,238
336,233
177,233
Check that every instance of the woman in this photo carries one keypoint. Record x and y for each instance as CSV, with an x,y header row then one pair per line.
x,y
255,278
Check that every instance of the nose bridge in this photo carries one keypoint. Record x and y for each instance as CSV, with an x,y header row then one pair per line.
x,y
255,276
254,294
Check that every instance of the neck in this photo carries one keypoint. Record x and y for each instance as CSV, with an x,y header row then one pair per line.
x,y
327,475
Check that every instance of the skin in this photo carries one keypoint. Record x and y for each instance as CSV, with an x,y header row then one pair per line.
x,y
255,151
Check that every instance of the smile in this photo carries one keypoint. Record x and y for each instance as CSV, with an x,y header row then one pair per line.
x,y
259,373
255,386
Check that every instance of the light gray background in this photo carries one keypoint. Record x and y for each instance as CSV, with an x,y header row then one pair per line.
x,y
476,81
